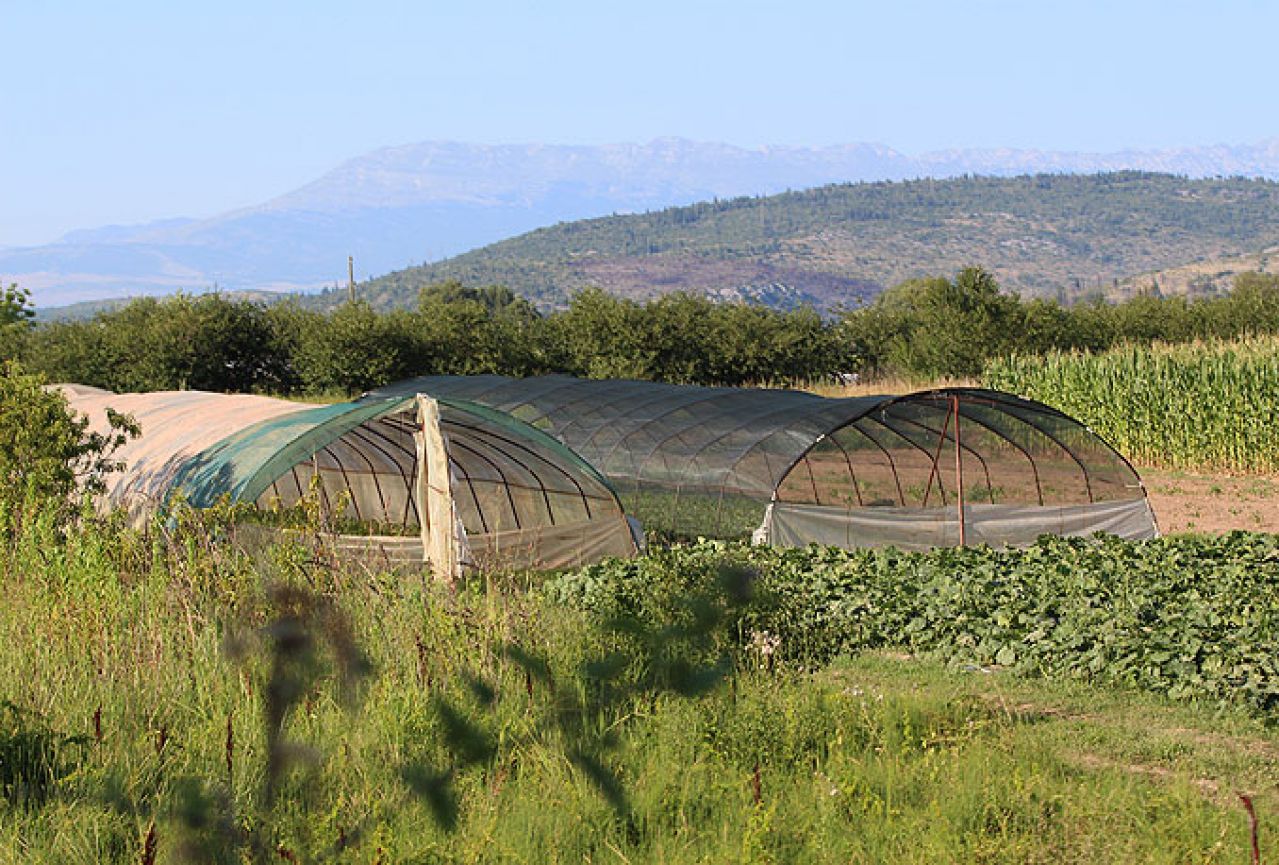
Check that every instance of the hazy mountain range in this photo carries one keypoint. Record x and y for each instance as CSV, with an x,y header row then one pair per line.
x,y
401,206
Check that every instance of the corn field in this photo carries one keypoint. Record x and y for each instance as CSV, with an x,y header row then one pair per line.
x,y
1195,406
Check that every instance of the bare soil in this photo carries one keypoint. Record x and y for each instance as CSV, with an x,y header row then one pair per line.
x,y
1212,503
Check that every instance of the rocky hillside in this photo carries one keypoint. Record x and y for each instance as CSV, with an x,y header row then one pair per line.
x,y
1046,235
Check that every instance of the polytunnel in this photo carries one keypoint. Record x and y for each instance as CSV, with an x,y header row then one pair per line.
x,y
405,479
928,469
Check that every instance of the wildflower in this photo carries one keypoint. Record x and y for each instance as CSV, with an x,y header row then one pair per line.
x,y
765,645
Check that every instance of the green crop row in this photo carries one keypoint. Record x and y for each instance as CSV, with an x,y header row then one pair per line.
x,y
1199,406
1188,617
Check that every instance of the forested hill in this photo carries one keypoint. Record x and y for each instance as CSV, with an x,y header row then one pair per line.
x,y
1054,235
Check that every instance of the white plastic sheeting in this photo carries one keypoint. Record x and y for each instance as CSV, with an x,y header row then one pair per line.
x,y
797,525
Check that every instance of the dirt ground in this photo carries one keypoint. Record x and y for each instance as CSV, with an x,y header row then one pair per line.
x,y
1212,503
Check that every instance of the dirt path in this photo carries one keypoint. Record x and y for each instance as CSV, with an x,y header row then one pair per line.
x,y
1212,503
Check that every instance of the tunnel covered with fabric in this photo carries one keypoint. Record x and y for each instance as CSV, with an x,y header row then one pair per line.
x,y
934,468
406,479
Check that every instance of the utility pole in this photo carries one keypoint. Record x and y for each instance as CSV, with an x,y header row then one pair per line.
x,y
350,277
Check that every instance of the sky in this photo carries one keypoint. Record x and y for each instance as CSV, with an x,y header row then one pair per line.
x,y
126,112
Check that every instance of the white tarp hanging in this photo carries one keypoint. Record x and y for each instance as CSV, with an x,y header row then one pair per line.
x,y
443,538
797,525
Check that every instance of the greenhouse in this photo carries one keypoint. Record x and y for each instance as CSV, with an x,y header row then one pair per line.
x,y
407,479
935,468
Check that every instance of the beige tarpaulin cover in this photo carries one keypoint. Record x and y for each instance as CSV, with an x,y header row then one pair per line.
x,y
443,536
176,427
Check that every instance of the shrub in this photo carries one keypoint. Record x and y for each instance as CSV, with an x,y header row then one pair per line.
x,y
46,453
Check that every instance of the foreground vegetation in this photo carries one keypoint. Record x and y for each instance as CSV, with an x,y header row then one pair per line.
x,y
1204,406
1181,616
168,695
170,698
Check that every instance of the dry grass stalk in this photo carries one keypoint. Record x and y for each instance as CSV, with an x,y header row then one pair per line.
x,y
149,846
230,747
1252,827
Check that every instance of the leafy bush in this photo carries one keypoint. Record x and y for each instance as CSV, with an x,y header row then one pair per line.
x,y
351,350
220,344
1189,617
210,342
46,454
931,328
16,320
921,329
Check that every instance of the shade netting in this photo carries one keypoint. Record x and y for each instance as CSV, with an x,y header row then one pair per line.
x,y
793,467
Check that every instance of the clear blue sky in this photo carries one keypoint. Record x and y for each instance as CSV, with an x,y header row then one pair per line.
x,y
131,111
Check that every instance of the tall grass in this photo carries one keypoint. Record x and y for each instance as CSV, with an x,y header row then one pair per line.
x,y
174,698
1202,406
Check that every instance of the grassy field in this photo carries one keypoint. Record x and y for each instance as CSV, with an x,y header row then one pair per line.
x,y
168,699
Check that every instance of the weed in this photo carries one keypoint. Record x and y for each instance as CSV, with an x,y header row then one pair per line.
x,y
33,757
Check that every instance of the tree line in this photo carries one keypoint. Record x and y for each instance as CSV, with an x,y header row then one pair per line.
x,y
218,343
932,328
922,329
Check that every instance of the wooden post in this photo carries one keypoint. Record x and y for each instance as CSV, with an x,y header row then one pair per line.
x,y
350,277
959,472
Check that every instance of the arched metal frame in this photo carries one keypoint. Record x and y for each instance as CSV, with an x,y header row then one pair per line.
x,y
368,474
698,460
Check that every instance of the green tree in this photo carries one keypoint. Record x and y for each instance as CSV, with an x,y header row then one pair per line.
x,y
494,298
465,331
350,350
940,327
678,331
1252,307
17,318
72,352
1048,325
210,342
755,345
604,337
